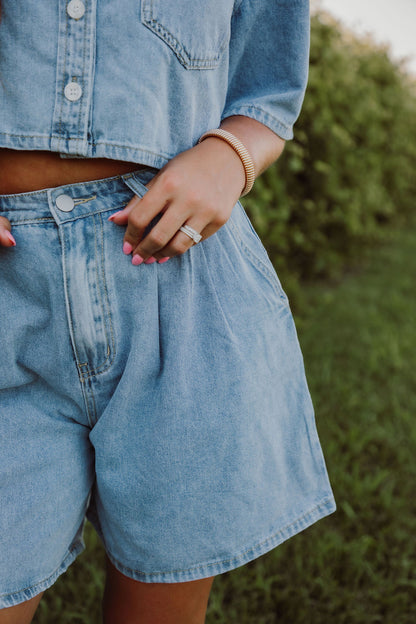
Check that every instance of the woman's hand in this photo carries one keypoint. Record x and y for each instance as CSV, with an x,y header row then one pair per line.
x,y
6,238
198,187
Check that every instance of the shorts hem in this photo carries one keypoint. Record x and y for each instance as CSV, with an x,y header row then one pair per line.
x,y
11,600
322,509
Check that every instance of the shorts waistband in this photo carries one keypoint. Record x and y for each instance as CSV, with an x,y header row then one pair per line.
x,y
75,200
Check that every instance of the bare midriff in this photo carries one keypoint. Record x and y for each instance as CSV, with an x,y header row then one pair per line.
x,y
24,171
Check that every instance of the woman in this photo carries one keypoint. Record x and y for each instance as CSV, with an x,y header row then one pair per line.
x,y
161,391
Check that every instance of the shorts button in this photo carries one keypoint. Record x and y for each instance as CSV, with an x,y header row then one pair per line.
x,y
73,91
64,203
75,9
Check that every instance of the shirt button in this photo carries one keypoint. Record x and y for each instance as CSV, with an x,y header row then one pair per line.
x,y
73,91
75,9
64,203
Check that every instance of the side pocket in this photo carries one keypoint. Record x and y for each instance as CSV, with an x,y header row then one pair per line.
x,y
136,182
254,250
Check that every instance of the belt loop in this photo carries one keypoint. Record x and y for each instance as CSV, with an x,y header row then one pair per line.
x,y
137,180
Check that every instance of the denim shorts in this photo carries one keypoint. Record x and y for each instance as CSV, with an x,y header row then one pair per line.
x,y
167,403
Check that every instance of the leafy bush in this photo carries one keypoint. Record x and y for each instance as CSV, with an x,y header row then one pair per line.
x,y
350,169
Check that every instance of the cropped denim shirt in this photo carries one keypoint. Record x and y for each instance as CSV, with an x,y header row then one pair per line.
x,y
141,80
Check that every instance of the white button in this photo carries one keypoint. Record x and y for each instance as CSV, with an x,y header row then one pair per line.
x,y
64,203
73,91
75,9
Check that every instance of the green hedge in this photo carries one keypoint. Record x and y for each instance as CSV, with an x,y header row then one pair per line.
x,y
351,167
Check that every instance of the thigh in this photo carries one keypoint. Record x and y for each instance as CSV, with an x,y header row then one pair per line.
x,y
127,601
22,613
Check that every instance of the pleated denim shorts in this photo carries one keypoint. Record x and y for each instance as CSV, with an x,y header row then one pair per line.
x,y
167,403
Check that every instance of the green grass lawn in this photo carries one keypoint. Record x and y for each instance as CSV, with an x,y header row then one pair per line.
x,y
357,566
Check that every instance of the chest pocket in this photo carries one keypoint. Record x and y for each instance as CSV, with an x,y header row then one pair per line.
x,y
198,31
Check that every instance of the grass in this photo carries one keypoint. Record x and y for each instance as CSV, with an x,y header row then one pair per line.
x,y
358,566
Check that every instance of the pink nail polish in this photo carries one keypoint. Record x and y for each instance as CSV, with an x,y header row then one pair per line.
x,y
163,260
150,260
114,215
127,248
137,260
11,238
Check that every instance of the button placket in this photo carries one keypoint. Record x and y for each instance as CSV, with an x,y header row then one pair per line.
x,y
75,76
76,10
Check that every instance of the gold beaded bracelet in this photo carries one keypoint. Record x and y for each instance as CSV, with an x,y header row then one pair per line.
x,y
241,151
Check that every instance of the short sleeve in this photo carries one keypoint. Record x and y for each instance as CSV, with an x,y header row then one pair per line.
x,y
268,64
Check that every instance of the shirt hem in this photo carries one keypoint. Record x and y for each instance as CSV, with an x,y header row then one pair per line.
x,y
100,149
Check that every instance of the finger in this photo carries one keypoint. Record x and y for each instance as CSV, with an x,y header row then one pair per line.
x,y
160,235
181,242
205,224
141,215
6,238
178,241
121,216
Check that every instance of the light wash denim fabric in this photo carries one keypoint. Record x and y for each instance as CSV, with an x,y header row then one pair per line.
x,y
167,401
142,80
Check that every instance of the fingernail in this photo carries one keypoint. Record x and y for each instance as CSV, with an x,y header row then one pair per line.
x,y
127,248
163,259
10,237
150,260
137,260
114,215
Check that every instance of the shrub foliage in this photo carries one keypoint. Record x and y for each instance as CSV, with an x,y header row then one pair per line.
x,y
350,170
